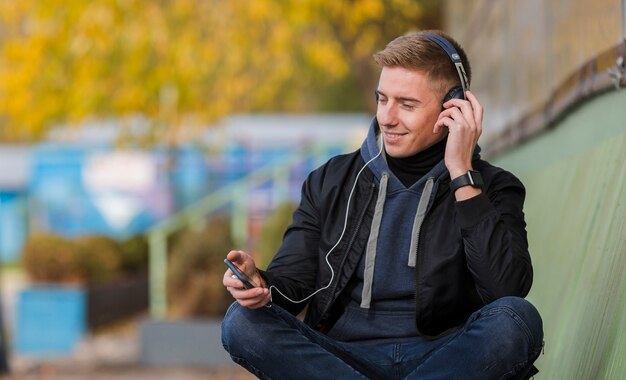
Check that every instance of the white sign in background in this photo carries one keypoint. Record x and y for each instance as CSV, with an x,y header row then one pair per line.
x,y
116,182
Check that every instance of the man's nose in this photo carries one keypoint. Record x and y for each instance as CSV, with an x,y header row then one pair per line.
x,y
386,114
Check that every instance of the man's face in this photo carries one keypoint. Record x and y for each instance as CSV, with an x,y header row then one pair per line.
x,y
407,111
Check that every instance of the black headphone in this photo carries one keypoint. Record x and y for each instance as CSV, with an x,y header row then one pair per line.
x,y
456,92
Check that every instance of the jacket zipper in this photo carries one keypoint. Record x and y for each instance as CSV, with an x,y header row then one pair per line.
x,y
417,264
348,247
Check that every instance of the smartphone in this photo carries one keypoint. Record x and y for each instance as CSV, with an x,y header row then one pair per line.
x,y
247,283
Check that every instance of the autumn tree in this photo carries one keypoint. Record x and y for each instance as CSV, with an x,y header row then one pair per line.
x,y
184,63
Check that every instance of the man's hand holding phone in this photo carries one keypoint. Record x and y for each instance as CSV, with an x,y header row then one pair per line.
x,y
242,280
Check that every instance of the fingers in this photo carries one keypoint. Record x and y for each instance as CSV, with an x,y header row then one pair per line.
x,y
231,281
243,262
477,107
453,119
461,113
463,119
237,257
250,298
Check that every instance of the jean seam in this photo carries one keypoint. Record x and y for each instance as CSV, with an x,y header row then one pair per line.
x,y
435,351
397,363
520,365
255,371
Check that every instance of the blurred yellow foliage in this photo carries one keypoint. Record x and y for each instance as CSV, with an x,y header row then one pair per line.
x,y
180,60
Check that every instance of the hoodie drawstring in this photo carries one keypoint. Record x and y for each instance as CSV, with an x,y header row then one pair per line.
x,y
370,253
419,219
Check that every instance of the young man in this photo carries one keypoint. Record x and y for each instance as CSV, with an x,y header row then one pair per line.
x,y
410,253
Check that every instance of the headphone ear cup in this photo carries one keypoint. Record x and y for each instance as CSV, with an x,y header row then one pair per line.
x,y
455,93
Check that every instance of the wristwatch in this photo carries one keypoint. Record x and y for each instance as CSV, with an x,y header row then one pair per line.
x,y
471,178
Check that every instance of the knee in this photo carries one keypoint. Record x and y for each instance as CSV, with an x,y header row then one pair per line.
x,y
521,320
240,330
234,325
525,311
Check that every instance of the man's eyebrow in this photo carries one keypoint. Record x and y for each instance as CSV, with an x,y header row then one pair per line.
x,y
399,99
406,99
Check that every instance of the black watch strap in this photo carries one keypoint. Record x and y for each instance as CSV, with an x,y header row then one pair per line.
x,y
471,178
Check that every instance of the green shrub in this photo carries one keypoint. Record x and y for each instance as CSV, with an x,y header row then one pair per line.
x,y
50,258
196,269
272,233
99,259
135,252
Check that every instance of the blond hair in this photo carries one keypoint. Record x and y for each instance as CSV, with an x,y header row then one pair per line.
x,y
415,51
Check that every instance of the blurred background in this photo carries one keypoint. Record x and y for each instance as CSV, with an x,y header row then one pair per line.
x,y
141,140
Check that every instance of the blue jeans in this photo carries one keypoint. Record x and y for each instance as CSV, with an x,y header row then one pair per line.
x,y
499,341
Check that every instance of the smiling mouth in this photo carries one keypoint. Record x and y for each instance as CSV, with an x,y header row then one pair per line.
x,y
393,136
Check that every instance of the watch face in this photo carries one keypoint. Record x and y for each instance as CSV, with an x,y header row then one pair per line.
x,y
471,178
475,178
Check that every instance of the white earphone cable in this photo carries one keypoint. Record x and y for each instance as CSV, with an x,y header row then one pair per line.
x,y
345,225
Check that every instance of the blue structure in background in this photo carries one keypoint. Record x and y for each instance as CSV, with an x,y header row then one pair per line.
x,y
83,185
13,224
14,168
190,175
59,200
72,195
52,321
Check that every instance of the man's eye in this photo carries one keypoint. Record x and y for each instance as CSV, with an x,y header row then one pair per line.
x,y
408,106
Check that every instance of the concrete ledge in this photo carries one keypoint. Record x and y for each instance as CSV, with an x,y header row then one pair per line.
x,y
186,342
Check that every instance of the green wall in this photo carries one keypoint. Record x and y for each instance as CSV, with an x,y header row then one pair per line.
x,y
575,175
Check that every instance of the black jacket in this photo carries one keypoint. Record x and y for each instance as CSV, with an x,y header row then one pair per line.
x,y
470,253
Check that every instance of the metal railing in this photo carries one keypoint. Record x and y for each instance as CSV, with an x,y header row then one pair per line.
x,y
234,195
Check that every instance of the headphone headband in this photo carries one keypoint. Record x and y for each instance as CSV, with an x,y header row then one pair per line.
x,y
454,57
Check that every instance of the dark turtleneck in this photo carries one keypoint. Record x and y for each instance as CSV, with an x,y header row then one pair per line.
x,y
410,169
